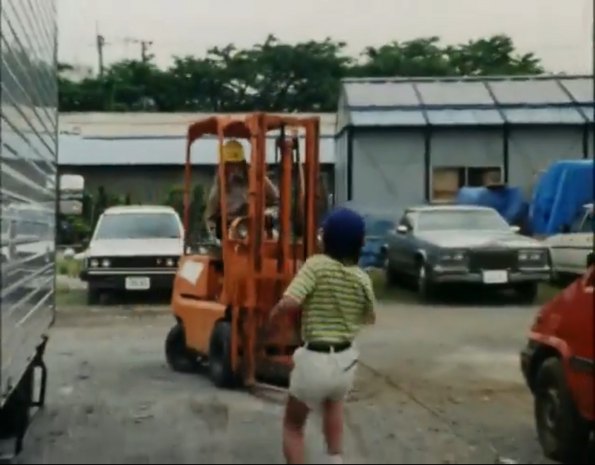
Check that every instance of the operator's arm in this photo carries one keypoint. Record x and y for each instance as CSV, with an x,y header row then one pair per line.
x,y
298,290
271,192
212,204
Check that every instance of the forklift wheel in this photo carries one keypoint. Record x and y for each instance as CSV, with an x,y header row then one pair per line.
x,y
178,357
220,356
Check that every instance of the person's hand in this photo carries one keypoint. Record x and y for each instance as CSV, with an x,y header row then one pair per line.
x,y
370,318
211,228
273,313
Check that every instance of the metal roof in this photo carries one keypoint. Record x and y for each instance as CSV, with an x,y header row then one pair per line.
x,y
468,101
110,124
110,151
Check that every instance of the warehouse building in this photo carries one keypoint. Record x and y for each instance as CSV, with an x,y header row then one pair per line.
x,y
142,155
402,142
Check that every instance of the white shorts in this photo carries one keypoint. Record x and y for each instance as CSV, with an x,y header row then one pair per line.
x,y
320,376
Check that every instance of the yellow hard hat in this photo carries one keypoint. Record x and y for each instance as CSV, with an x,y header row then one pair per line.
x,y
233,152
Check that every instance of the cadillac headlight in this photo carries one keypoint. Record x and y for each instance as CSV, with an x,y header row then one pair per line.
x,y
105,263
94,263
170,262
454,257
532,257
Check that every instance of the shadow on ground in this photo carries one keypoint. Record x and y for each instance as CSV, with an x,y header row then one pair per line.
x,y
464,295
78,297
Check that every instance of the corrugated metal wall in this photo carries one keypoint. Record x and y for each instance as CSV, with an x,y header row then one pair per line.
x,y
388,168
463,122
29,121
388,164
340,168
532,150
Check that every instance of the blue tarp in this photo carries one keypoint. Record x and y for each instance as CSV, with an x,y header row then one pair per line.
x,y
560,194
508,201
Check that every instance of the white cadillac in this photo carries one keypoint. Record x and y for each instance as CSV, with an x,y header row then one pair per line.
x,y
133,248
569,249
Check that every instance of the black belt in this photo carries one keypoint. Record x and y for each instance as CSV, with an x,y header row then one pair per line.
x,y
327,347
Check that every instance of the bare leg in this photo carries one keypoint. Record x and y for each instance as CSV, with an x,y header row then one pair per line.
x,y
296,414
332,423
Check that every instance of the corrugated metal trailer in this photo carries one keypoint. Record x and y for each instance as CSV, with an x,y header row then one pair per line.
x,y
28,131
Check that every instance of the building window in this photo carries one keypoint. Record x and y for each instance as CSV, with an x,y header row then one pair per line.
x,y
446,181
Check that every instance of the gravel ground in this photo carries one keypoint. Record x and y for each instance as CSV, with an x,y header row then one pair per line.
x,y
437,384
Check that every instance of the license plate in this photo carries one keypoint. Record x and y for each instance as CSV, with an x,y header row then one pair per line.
x,y
495,277
135,283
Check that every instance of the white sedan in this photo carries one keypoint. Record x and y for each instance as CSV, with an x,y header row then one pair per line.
x,y
133,248
569,250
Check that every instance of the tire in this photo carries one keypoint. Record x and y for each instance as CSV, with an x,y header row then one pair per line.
x,y
425,288
15,418
527,292
93,295
220,369
563,434
391,275
178,357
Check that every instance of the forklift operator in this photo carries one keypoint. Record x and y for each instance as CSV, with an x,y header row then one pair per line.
x,y
236,172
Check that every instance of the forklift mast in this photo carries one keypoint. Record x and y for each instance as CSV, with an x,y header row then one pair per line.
x,y
257,265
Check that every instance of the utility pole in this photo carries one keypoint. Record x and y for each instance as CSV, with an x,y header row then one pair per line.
x,y
144,47
100,45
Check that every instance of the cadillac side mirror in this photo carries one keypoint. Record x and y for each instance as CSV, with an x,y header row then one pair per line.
x,y
515,229
402,229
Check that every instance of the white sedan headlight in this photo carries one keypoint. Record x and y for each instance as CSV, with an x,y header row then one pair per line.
x,y
105,263
94,263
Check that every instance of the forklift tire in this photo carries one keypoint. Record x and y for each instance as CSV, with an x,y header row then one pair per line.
x,y
178,357
563,434
220,369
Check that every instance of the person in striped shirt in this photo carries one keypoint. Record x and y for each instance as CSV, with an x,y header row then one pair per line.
x,y
336,299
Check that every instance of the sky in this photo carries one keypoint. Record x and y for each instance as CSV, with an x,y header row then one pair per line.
x,y
560,32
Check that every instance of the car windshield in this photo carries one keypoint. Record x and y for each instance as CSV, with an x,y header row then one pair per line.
x,y
583,222
138,226
468,220
588,226
378,226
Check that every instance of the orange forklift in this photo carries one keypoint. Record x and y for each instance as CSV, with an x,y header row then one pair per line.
x,y
222,295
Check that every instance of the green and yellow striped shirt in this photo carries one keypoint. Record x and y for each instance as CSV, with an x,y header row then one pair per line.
x,y
336,299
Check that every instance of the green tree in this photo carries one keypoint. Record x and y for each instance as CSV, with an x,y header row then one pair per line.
x,y
278,76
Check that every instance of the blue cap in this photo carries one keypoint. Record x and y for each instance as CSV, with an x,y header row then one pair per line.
x,y
343,231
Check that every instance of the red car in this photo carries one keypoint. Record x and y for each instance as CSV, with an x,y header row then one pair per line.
x,y
558,365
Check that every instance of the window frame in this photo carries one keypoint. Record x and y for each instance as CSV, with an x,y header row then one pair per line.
x,y
465,183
